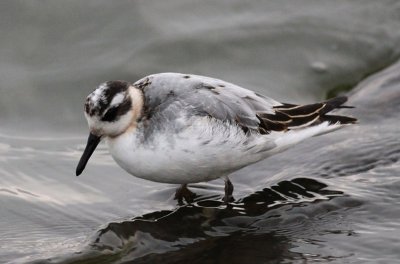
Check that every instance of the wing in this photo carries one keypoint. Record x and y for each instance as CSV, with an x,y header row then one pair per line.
x,y
169,96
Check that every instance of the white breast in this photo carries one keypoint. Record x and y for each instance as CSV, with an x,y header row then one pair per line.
x,y
206,150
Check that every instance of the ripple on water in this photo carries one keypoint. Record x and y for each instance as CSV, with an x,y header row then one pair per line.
x,y
271,217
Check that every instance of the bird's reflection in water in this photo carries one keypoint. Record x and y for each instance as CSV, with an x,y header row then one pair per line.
x,y
253,229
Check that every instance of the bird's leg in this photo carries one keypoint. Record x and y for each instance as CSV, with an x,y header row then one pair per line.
x,y
184,192
228,191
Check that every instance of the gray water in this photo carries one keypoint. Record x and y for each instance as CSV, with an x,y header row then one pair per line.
x,y
333,198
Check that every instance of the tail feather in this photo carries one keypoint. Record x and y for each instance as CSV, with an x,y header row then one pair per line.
x,y
336,103
334,119
333,103
289,116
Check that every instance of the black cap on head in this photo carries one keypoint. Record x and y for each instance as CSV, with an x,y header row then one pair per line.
x,y
100,99
98,102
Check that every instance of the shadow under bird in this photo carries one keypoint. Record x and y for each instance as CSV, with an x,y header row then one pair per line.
x,y
183,128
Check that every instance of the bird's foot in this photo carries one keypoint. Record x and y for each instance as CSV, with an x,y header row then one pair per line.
x,y
184,193
228,191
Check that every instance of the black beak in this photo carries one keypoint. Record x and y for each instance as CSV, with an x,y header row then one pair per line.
x,y
91,145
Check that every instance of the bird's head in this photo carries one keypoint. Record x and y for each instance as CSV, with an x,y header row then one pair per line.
x,y
110,110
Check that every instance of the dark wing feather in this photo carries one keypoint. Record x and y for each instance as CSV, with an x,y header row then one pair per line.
x,y
289,116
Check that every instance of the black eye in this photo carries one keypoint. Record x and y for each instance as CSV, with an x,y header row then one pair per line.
x,y
110,115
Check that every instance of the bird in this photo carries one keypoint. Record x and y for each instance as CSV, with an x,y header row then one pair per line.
x,y
181,128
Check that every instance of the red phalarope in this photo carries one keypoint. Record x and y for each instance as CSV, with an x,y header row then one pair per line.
x,y
183,128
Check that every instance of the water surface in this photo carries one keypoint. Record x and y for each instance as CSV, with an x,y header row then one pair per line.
x,y
332,198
